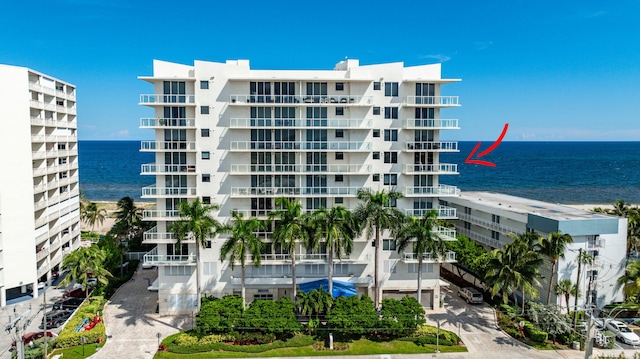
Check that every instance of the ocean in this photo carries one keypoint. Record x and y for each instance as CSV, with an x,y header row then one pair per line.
x,y
559,172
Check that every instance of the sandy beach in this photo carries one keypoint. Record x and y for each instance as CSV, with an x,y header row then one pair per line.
x,y
109,221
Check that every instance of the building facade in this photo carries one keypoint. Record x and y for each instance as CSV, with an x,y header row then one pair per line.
x,y
489,218
39,194
241,138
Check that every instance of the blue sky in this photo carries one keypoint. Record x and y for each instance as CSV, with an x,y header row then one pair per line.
x,y
554,70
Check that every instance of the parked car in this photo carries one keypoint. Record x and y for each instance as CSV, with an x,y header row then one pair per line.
x,y
57,318
70,303
470,294
29,337
623,333
74,293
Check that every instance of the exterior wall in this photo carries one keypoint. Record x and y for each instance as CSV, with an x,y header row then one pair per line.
x,y
39,194
228,101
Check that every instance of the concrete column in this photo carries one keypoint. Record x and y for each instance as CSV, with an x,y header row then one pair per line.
x,y
35,289
3,297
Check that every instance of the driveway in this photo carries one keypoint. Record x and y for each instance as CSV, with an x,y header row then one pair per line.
x,y
132,323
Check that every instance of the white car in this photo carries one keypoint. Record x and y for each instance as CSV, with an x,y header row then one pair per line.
x,y
623,332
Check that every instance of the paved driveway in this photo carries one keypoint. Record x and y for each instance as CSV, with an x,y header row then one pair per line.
x,y
132,324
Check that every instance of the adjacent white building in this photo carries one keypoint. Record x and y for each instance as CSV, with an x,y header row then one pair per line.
x,y
39,194
488,218
240,138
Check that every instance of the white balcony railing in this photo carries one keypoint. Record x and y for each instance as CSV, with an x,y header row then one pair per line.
x,y
351,123
302,100
440,168
489,224
354,146
431,146
429,257
439,123
152,257
161,99
42,253
293,191
440,190
159,192
154,214
432,100
152,169
161,146
446,234
339,169
153,236
167,122
444,212
491,242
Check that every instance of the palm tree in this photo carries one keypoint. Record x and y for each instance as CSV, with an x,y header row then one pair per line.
x,y
337,227
583,258
375,215
84,263
420,234
92,215
631,279
241,244
622,209
290,228
196,221
128,220
565,288
554,247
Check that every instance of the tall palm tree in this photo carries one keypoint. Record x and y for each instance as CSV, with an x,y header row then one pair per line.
x,y
290,228
622,209
84,263
375,215
92,215
564,288
583,258
196,221
554,246
242,243
631,279
338,228
128,213
420,234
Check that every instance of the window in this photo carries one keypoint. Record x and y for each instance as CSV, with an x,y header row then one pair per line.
x,y
376,155
338,200
339,86
391,89
339,133
391,135
62,146
204,85
467,225
62,161
376,110
206,155
376,133
495,218
388,245
339,178
209,268
391,112
340,268
204,110
339,111
376,86
263,296
467,210
495,235
391,157
206,200
206,178
426,268
390,179
177,271
376,178
339,155
204,132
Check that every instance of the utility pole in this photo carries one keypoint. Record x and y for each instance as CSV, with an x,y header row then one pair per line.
x,y
18,327
575,306
44,316
588,345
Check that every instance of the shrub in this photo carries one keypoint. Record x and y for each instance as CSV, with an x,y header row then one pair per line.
x,y
353,317
215,338
71,338
534,333
219,315
254,338
427,331
273,317
401,317
185,339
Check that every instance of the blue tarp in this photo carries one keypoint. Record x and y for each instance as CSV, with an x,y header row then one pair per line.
x,y
340,289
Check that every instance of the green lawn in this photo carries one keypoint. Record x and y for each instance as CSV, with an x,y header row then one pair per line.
x,y
359,347
76,352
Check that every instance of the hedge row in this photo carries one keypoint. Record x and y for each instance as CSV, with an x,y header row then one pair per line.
x,y
69,338
534,333
179,344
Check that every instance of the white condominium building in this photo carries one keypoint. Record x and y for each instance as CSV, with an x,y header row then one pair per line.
x,y
241,138
39,195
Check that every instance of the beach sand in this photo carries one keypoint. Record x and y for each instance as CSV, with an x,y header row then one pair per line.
x,y
109,221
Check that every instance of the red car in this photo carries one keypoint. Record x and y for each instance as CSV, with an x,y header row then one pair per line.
x,y
29,337
74,293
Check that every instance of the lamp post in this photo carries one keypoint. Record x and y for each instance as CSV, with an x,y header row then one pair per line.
x,y
438,337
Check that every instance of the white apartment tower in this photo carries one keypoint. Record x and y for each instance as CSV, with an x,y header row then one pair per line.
x,y
241,138
39,195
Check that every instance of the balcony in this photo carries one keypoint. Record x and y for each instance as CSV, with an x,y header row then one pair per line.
x,y
486,240
306,100
347,123
440,190
160,215
293,191
446,234
168,123
431,146
432,101
433,124
245,169
440,168
485,223
343,146
169,99
153,236
37,104
160,146
154,169
153,258
43,253
444,212
165,192
448,257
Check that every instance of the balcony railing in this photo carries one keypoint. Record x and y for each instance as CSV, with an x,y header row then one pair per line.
x,y
431,100
301,146
444,212
293,191
491,242
300,123
167,122
154,214
159,192
42,253
429,257
302,100
440,168
446,234
442,124
160,146
431,146
152,257
160,99
153,169
340,169
489,224
440,190
153,236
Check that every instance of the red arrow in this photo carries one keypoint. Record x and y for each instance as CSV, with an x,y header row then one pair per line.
x,y
487,151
